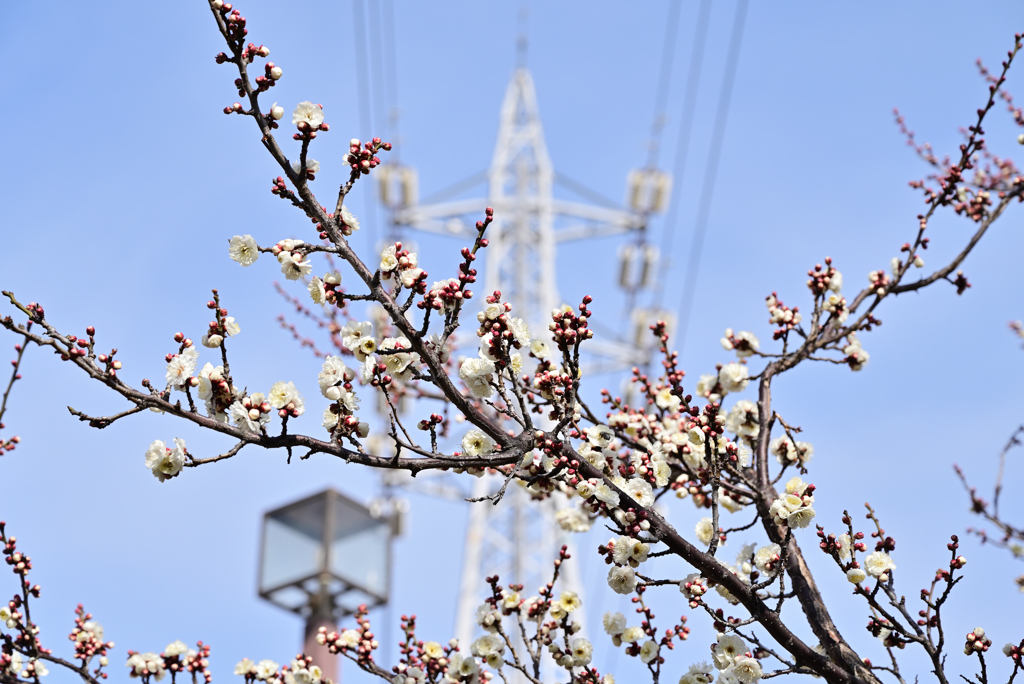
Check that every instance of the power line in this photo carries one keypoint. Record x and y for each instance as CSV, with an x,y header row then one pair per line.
x,y
365,118
391,75
376,58
683,144
365,112
708,189
668,51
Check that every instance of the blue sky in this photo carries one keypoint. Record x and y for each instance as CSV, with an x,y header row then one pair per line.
x,y
124,180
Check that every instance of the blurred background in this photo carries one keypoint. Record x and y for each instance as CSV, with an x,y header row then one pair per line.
x,y
123,182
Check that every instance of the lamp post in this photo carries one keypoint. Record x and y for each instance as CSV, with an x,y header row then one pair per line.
x,y
323,556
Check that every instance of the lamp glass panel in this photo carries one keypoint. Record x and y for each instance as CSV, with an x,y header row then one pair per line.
x,y
292,543
359,550
291,598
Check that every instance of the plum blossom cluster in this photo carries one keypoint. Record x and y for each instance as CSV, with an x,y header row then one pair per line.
x,y
291,256
518,634
339,417
501,335
795,508
176,659
400,264
301,670
166,462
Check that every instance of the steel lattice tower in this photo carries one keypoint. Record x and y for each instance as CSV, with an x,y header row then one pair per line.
x,y
516,539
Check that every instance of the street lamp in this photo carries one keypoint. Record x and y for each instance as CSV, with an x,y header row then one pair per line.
x,y
323,556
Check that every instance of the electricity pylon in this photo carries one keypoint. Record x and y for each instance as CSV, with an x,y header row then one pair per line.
x,y
516,539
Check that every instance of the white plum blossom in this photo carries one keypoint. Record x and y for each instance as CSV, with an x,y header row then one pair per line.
x,y
355,332
207,376
742,419
490,312
728,648
734,377
631,635
367,369
640,491
349,222
460,667
606,495
476,443
487,617
293,265
399,363
649,651
284,393
244,250
614,623
249,418
787,453
693,586
600,435
440,346
409,276
149,664
490,647
175,648
570,601
388,260
539,348
231,327
244,667
878,564
212,340
791,510
742,350
664,399
856,575
477,373
573,520
844,543
856,357
705,386
766,560
350,638
164,461
629,551
582,651
795,485
333,372
181,367
266,669
622,580
699,673
308,113
433,650
705,530
317,291
520,331
312,166
746,670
